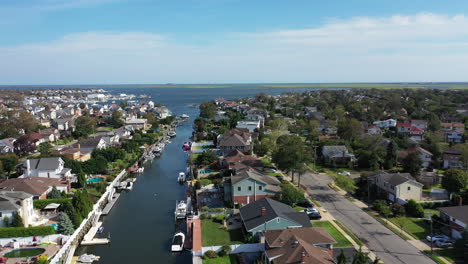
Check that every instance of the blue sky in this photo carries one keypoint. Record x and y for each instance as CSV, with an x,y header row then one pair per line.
x,y
232,41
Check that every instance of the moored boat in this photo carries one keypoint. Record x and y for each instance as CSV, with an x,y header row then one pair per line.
x,y
172,133
178,242
181,210
181,178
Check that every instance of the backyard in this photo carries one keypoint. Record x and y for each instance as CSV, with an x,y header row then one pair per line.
x,y
214,235
340,238
229,259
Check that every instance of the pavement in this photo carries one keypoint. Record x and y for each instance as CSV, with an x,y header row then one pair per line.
x,y
388,246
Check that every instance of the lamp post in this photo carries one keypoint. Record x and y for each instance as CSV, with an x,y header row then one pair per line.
x,y
429,218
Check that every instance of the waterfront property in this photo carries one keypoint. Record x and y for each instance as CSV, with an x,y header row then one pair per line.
x,y
239,139
39,187
44,167
12,202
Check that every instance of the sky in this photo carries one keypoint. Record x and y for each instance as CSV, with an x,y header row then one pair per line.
x,y
232,41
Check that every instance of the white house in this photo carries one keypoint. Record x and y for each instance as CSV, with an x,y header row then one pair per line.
x,y
424,155
16,202
45,167
386,123
250,125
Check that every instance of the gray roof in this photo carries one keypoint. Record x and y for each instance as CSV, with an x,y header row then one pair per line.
x,y
43,163
252,213
91,142
232,140
458,212
271,182
11,200
397,178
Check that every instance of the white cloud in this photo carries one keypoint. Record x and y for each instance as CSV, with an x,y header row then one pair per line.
x,y
421,47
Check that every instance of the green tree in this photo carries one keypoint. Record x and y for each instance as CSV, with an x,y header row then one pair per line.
x,y
123,104
342,258
460,244
24,145
455,180
9,162
42,259
1,168
291,195
54,193
208,110
84,126
116,119
349,129
45,148
82,203
206,158
291,154
390,158
6,221
65,224
414,209
260,149
74,216
361,257
412,163
17,220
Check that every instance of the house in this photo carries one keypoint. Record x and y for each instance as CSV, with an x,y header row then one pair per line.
x,y
91,143
373,130
45,167
460,127
250,125
16,202
138,123
249,186
37,186
452,159
337,155
162,112
457,216
424,155
254,117
397,187
239,139
413,132
269,214
421,124
76,154
307,245
453,136
64,124
386,123
7,145
236,161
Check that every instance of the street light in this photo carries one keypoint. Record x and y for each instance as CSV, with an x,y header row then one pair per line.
x,y
429,218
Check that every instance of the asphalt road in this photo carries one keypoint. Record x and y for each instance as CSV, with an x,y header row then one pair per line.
x,y
389,247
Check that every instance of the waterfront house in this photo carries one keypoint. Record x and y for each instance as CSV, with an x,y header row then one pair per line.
x,y
452,159
235,161
239,139
251,125
397,187
337,155
269,214
12,202
91,143
76,153
44,167
307,245
457,217
138,123
39,187
386,123
249,186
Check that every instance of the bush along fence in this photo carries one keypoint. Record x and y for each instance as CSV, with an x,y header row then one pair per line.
x,y
41,204
8,232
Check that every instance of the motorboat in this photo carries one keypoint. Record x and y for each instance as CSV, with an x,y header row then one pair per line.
x,y
157,150
181,210
100,230
178,242
129,186
181,177
184,116
186,146
172,133
85,258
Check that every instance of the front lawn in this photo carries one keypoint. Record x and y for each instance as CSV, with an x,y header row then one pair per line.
x,y
213,235
417,228
341,240
447,253
229,259
298,209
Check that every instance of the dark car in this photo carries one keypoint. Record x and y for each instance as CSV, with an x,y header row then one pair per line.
x,y
314,216
280,178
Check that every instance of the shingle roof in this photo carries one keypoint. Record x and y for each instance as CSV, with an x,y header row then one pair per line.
x,y
232,140
32,185
10,201
312,235
296,250
88,143
43,163
397,178
458,212
252,213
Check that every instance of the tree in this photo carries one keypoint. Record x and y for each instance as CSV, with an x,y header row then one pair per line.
x,y
206,158
1,168
24,145
463,148
291,195
414,209
17,220
54,193
460,244
82,203
361,257
65,224
412,163
342,258
9,162
116,119
291,154
42,259
84,126
455,180
123,104
45,148
260,149
349,129
390,158
398,209
208,110
74,216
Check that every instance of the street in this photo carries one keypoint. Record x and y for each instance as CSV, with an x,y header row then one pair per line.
x,y
388,246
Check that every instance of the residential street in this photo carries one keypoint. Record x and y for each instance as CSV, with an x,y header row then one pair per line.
x,y
389,247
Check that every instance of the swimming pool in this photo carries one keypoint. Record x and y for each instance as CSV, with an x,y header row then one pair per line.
x,y
93,180
24,252
206,171
55,226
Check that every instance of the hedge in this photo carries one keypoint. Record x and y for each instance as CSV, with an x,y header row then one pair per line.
x,y
7,232
41,204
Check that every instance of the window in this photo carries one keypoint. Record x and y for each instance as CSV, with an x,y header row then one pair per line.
x,y
250,188
260,188
0,214
409,188
277,220
239,188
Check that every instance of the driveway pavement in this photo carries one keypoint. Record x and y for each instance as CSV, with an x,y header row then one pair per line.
x,y
389,247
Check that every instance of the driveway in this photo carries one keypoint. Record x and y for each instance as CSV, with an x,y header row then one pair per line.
x,y
389,247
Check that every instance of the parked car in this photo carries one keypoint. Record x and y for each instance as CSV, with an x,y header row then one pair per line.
x,y
306,204
437,237
444,243
311,210
279,177
347,173
314,216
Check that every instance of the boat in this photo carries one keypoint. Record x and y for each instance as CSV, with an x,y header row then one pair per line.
x,y
181,177
181,210
186,146
129,186
157,150
184,116
100,230
85,258
172,133
178,242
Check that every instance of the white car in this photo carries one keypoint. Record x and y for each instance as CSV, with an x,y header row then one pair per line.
x,y
347,173
444,243
310,210
437,237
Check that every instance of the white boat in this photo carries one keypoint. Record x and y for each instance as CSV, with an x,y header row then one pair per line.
x,y
157,150
181,177
181,210
85,258
178,242
129,186
161,145
184,116
172,134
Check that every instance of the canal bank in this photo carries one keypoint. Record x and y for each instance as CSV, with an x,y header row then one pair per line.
x,y
141,224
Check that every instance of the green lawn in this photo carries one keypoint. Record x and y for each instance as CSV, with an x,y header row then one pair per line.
x,y
298,209
266,161
394,230
274,174
352,235
413,226
340,238
229,259
213,235
447,253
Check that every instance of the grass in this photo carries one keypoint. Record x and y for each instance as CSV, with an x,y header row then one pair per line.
x,y
266,161
274,174
339,237
229,259
213,235
447,253
349,233
298,209
394,230
417,228
315,202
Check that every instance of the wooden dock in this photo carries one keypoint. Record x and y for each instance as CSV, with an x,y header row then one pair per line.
x,y
110,204
89,239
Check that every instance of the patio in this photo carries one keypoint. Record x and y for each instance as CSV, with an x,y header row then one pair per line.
x,y
50,250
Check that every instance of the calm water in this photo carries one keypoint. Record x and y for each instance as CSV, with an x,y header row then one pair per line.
x,y
142,224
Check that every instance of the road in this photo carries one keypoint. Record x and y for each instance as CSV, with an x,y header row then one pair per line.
x,y
389,247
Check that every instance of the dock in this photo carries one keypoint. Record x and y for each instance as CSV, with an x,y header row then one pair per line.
x,y
110,204
89,239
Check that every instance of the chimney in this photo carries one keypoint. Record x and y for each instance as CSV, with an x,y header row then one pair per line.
x,y
28,166
78,146
263,211
68,186
303,257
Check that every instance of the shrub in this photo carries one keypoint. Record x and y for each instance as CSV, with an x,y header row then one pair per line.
x,y
398,210
225,250
41,204
211,254
386,211
220,218
378,205
7,232
205,216
205,182
291,195
414,209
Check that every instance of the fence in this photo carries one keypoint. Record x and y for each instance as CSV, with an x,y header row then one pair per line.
x,y
239,248
63,256
57,238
